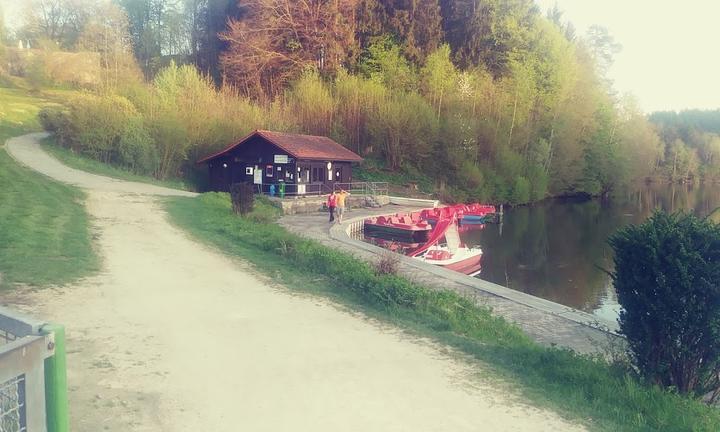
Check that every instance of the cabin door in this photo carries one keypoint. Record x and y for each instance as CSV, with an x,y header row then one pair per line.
x,y
318,177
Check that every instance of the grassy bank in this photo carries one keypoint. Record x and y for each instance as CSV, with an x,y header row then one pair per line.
x,y
586,389
44,234
87,164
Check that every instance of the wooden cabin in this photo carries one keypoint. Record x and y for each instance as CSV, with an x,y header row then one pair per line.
x,y
306,164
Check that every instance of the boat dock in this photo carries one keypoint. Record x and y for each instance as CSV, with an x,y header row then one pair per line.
x,y
549,323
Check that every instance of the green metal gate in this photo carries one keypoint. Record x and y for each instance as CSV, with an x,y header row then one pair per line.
x,y
33,383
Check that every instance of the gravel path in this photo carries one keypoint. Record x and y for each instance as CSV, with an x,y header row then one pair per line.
x,y
174,336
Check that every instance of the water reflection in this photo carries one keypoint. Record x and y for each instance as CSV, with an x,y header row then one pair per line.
x,y
558,250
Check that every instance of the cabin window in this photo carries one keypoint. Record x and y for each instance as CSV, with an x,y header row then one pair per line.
x,y
304,174
301,176
269,171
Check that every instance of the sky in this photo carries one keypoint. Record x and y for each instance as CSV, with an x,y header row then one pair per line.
x,y
671,50
11,9
671,54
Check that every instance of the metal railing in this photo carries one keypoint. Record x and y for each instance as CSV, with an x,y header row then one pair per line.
x,y
363,188
293,189
33,385
372,189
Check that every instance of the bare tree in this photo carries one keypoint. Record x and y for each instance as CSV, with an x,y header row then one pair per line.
x,y
61,21
107,34
277,39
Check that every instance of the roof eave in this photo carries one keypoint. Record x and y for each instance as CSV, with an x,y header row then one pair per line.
x,y
227,149
330,159
272,141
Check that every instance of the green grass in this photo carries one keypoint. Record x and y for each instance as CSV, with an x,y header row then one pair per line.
x,y
44,235
83,163
585,389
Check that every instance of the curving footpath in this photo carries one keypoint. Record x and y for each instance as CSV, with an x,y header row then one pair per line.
x,y
174,336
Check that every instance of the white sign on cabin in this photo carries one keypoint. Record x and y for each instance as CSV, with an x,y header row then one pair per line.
x,y
280,159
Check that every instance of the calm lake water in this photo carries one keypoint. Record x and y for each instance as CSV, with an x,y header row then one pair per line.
x,y
556,249
553,250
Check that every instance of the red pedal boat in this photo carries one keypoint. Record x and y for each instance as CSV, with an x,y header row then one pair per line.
x,y
453,255
463,259
465,213
400,225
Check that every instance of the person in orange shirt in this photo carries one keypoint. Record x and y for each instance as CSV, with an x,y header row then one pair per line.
x,y
341,204
331,203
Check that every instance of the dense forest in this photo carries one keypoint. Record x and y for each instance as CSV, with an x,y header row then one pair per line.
x,y
692,143
479,99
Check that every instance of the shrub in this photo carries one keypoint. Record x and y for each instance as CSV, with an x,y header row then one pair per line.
x,y
36,72
100,122
667,276
56,120
171,139
264,213
470,175
539,183
521,191
387,264
452,195
242,197
136,148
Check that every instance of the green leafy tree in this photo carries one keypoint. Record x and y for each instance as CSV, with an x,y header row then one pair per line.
x,y
438,76
405,127
521,191
313,105
417,24
383,61
603,47
667,276
488,32
146,26
358,100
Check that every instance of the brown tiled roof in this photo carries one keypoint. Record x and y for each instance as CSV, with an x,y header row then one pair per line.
x,y
298,146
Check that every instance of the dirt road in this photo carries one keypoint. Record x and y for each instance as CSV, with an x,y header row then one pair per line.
x,y
174,336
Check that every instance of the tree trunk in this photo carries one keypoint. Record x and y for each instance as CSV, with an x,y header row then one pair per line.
x,y
548,162
512,124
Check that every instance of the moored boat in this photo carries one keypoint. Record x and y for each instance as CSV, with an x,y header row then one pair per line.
x,y
465,213
475,219
399,225
463,259
476,213
453,254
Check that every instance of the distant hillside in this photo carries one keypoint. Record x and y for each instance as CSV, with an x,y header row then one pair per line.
x,y
689,120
